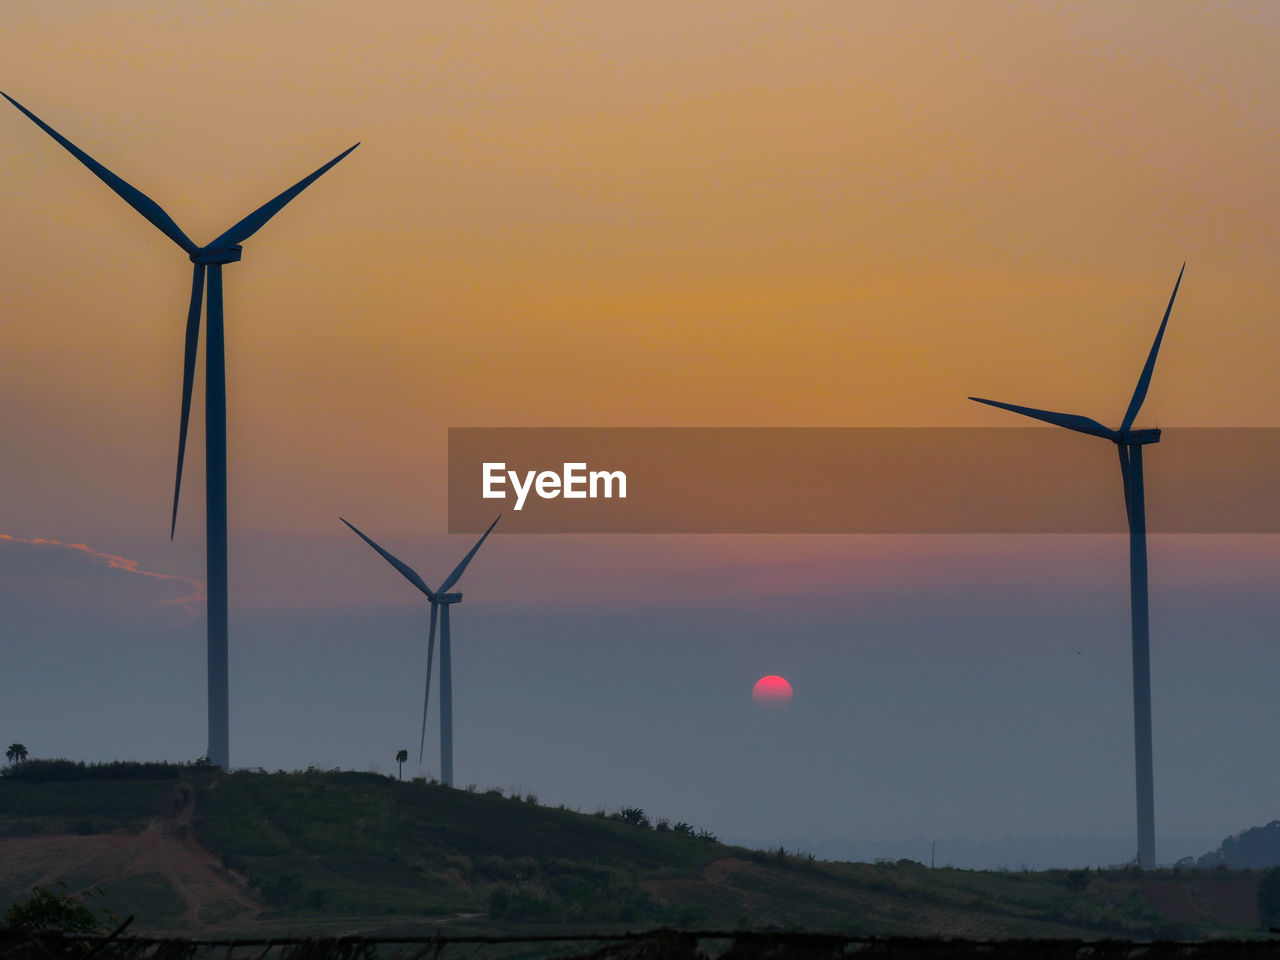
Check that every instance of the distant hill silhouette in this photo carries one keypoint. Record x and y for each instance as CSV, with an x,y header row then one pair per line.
x,y
1252,849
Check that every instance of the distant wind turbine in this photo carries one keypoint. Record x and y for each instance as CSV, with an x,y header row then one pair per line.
x,y
1130,442
440,600
207,259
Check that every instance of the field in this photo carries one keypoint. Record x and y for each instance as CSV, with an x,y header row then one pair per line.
x,y
194,851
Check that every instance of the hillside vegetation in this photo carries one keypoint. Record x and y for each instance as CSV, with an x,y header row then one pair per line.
x,y
363,843
187,848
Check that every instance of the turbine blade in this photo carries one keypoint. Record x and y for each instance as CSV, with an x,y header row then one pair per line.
x,y
255,221
405,570
431,649
130,194
460,568
1069,420
1144,381
188,376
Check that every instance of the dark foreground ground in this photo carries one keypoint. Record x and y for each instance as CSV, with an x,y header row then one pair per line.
x,y
651,945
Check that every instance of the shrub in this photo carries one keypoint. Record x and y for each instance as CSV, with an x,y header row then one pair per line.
x,y
1269,899
1077,881
499,901
634,816
48,912
529,906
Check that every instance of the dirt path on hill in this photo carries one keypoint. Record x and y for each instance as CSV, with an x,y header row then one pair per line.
x,y
212,894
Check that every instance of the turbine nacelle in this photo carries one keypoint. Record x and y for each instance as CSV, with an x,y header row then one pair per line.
x,y
447,598
209,255
1135,438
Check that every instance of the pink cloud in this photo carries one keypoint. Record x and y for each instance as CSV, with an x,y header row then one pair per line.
x,y
190,602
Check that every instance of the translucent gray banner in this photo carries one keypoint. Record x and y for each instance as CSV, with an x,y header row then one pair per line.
x,y
855,480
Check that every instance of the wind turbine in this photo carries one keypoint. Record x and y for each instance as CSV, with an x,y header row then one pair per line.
x,y
1129,443
441,600
206,260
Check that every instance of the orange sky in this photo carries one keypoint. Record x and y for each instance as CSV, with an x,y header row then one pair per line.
x,y
593,214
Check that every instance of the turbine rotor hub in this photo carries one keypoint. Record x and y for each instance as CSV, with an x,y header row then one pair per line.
x,y
1138,438
208,255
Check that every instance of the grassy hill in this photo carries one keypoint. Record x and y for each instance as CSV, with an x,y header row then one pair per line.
x,y
363,843
191,849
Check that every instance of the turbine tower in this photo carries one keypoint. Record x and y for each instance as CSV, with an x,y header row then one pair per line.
x,y
208,261
1129,443
441,600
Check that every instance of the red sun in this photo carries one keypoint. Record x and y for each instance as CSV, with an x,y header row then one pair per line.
x,y
771,692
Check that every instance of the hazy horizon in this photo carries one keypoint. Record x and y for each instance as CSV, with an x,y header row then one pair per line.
x,y
962,712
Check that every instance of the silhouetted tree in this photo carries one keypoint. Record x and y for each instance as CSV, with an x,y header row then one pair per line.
x,y
401,758
16,753
1257,848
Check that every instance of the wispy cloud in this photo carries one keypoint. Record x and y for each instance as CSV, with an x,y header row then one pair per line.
x,y
191,601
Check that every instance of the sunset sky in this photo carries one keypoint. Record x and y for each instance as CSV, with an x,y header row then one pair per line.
x,y
658,214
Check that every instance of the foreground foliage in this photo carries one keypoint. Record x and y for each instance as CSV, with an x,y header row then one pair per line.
x,y
45,911
651,945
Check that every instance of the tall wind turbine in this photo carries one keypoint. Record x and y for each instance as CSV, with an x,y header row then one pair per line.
x,y
1129,443
441,600
206,260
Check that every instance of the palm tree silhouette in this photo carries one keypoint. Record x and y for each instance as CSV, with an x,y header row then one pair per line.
x,y
16,753
401,757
